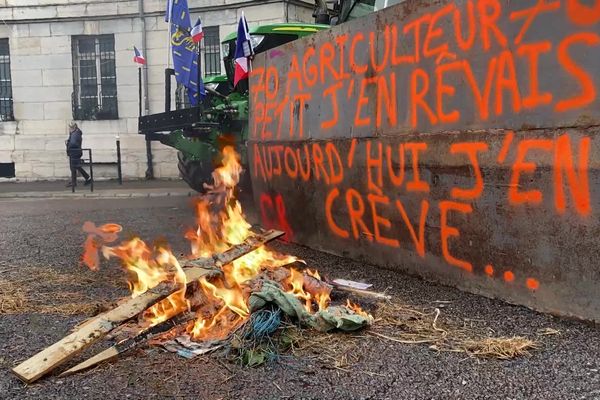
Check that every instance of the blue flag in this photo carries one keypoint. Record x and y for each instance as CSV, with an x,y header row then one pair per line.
x,y
180,14
185,56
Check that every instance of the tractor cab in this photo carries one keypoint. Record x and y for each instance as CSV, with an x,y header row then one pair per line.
x,y
348,10
218,83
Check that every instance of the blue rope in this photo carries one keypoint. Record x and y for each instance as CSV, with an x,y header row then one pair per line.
x,y
263,323
256,334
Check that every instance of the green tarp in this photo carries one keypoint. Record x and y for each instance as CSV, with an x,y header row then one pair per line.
x,y
334,317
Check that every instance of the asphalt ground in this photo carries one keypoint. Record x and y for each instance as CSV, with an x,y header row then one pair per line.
x,y
60,185
100,189
40,245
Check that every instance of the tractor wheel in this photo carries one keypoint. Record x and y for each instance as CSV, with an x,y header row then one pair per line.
x,y
195,173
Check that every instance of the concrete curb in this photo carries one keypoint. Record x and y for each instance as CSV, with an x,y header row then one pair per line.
x,y
95,195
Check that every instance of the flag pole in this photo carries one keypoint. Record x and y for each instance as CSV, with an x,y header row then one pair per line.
x,y
140,89
150,169
169,15
251,48
169,46
199,73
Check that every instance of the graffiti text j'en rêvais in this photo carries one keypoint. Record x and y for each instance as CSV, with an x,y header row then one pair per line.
x,y
444,91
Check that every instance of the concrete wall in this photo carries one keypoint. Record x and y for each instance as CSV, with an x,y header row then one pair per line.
x,y
39,33
459,141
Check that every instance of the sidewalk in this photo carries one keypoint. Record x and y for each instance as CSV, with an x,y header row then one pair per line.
x,y
102,189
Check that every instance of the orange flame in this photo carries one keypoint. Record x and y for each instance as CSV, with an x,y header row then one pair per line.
x,y
148,269
298,288
356,309
220,225
226,226
97,236
314,274
296,281
323,300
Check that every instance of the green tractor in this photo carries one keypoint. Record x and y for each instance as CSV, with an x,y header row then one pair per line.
x,y
200,133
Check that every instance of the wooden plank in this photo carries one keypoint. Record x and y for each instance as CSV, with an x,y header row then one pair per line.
x,y
71,345
361,292
129,343
46,360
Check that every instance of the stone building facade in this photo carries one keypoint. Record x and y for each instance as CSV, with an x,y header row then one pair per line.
x,y
64,60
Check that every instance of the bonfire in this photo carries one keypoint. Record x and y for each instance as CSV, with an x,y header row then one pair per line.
x,y
263,283
231,292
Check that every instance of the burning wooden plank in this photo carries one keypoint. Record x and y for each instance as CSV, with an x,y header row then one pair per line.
x,y
48,359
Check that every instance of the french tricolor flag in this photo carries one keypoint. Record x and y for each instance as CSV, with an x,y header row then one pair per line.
x,y
197,33
243,50
138,57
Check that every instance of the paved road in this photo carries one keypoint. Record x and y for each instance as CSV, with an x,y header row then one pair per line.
x,y
101,189
59,185
40,244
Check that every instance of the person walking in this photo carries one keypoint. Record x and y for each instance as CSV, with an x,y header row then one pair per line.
x,y
75,153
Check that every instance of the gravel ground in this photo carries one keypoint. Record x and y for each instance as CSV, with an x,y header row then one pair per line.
x,y
46,236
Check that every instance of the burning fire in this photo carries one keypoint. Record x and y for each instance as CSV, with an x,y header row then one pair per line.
x,y
356,308
220,225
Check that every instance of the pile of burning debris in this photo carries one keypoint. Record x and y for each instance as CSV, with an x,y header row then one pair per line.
x,y
230,286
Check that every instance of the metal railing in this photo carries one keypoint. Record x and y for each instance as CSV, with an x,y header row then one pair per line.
x,y
89,161
82,161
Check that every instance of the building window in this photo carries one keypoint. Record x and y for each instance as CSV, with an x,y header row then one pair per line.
x,y
94,78
6,100
211,48
7,170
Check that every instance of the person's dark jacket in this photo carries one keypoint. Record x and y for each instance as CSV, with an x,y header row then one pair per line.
x,y
74,145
